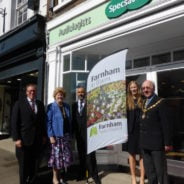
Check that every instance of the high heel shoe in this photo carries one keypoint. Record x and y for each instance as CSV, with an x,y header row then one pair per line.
x,y
62,182
55,182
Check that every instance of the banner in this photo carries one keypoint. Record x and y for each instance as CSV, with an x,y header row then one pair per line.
x,y
106,103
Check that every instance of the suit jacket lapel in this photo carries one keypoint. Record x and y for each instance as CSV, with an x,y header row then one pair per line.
x,y
28,105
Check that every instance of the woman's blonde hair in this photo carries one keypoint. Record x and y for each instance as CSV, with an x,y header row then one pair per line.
x,y
59,90
130,99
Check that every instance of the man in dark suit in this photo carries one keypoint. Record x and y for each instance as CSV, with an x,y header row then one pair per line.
x,y
155,135
79,121
28,132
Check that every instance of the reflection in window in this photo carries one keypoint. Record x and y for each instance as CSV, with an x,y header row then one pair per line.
x,y
138,78
162,58
59,3
20,2
71,81
128,64
92,60
21,11
78,62
21,15
178,55
55,2
66,63
141,62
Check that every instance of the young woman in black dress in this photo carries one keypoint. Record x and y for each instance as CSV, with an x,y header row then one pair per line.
x,y
134,104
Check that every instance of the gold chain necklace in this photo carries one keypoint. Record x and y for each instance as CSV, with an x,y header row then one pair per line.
x,y
151,107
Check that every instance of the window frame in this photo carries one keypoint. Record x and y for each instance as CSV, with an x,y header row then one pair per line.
x,y
21,11
61,3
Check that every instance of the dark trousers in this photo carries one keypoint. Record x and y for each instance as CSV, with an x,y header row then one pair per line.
x,y
92,165
27,160
86,161
155,166
81,148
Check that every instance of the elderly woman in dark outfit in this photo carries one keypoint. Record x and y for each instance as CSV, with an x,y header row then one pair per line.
x,y
134,104
59,133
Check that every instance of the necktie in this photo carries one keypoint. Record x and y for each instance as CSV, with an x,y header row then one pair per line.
x,y
33,106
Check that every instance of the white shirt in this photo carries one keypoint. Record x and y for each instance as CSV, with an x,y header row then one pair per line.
x,y
30,103
79,105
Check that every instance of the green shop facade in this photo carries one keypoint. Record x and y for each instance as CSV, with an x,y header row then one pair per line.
x,y
153,32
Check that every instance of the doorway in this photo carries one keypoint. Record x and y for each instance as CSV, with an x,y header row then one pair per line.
x,y
11,89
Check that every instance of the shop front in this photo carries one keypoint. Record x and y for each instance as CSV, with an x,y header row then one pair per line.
x,y
21,62
155,52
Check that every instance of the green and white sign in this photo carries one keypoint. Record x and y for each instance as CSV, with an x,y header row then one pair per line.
x,y
79,25
93,19
118,7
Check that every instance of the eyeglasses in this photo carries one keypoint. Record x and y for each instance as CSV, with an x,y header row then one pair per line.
x,y
31,91
143,88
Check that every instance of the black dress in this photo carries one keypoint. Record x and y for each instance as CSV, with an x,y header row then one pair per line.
x,y
133,117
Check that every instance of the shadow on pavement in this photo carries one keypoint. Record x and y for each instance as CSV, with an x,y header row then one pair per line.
x,y
45,174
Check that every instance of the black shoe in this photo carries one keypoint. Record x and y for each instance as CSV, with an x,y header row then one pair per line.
x,y
33,180
97,181
81,177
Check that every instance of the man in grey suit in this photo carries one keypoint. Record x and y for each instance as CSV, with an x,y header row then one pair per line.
x,y
28,132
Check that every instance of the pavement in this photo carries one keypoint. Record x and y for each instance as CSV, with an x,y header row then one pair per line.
x,y
9,170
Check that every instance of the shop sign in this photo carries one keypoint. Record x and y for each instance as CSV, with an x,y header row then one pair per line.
x,y
118,7
79,25
92,19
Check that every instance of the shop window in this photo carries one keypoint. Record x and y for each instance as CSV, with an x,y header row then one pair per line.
x,y
92,61
171,87
60,3
129,64
141,62
55,2
21,11
21,2
78,62
162,58
71,81
178,55
66,63
138,78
